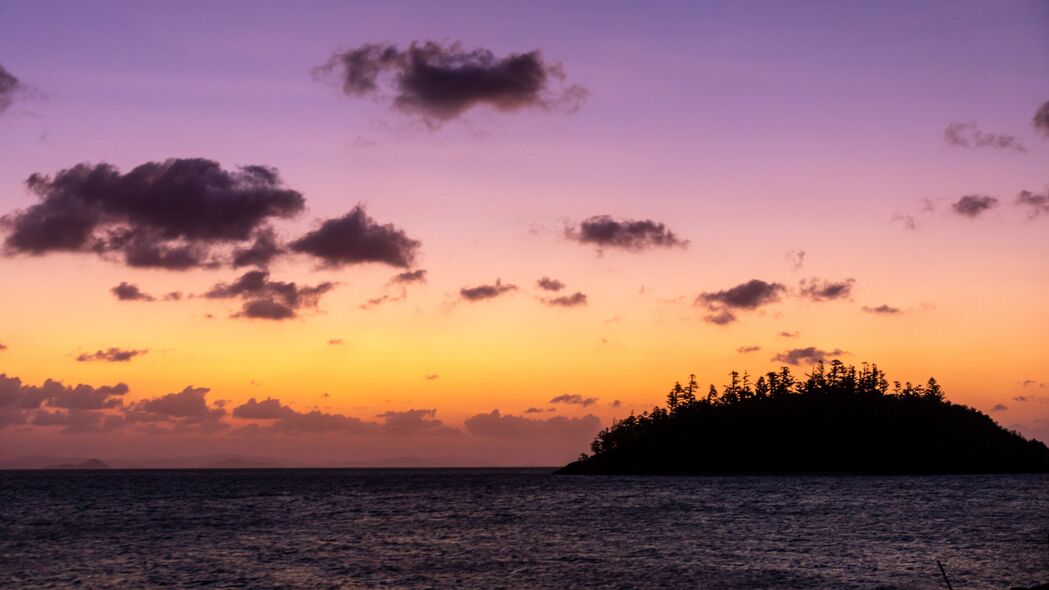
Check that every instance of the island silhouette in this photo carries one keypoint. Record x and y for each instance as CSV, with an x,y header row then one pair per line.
x,y
837,419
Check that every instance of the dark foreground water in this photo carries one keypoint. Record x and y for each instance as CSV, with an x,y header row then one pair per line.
x,y
516,529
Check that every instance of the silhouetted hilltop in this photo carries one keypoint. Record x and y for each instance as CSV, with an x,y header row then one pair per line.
x,y
89,464
837,420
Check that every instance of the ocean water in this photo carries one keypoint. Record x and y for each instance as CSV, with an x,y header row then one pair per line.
x,y
519,528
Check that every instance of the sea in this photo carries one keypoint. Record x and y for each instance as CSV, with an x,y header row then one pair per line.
x,y
517,528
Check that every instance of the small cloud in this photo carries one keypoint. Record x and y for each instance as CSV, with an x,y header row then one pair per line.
x,y
432,377
808,354
999,408
615,403
9,86
128,292
548,284
909,221
882,309
438,82
1041,119
409,277
576,299
972,206
336,342
496,424
603,231
1036,204
796,258
482,292
266,299
573,398
173,296
111,355
1032,383
3,347
820,290
789,334
745,296
968,135
747,349
356,238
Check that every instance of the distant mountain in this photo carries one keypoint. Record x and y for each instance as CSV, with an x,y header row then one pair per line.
x,y
838,420
89,464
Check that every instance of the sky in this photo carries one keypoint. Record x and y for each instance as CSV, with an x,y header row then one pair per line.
x,y
320,231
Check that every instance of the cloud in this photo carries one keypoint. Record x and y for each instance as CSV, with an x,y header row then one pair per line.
x,y
9,85
820,290
1041,119
747,349
495,424
336,341
356,238
266,299
128,292
414,422
789,334
969,136
3,347
1031,383
908,221
809,354
25,404
482,292
548,284
409,277
171,214
261,252
573,398
603,232
745,296
796,258
1036,203
882,309
972,206
534,410
576,299
111,355
615,403
284,419
441,82
188,403
432,377
999,408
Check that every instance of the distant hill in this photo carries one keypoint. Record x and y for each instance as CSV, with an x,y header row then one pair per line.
x,y
838,420
89,464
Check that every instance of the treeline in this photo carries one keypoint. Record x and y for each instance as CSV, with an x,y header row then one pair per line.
x,y
838,418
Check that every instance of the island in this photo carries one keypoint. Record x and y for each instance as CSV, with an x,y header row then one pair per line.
x,y
838,419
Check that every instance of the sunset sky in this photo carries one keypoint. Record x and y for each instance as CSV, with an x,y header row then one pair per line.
x,y
706,188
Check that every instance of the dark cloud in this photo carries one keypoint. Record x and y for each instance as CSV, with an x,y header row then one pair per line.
x,y
1041,119
356,238
747,349
615,403
377,301
283,419
266,299
576,299
573,398
882,309
820,290
750,295
809,354
188,403
534,410
973,205
440,82
548,284
267,409
999,408
414,422
128,292
1031,383
1035,203
3,347
409,277
9,85
495,424
789,334
25,404
172,214
173,296
633,235
482,292
796,258
111,355
261,252
432,377
969,136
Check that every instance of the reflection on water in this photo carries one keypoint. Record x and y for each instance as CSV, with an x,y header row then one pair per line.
x,y
517,529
